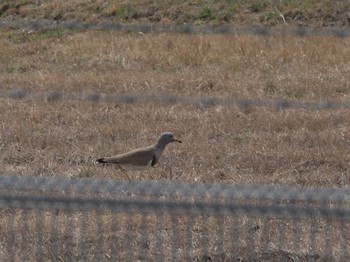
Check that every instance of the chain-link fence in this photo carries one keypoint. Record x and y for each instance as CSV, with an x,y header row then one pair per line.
x,y
173,99
42,25
59,219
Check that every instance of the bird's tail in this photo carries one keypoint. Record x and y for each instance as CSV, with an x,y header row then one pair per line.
x,y
101,161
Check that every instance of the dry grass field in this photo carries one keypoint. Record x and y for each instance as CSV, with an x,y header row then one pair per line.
x,y
221,144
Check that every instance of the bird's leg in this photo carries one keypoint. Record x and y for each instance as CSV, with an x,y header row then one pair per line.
x,y
124,172
140,175
126,175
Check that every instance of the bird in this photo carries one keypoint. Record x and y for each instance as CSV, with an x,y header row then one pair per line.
x,y
140,158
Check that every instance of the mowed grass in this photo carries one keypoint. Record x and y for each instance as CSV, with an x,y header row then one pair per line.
x,y
221,144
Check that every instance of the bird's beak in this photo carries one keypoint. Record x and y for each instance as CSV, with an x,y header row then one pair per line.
x,y
176,140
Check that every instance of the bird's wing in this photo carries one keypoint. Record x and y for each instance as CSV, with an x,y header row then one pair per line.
x,y
138,157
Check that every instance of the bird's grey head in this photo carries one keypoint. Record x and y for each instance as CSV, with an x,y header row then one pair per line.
x,y
167,138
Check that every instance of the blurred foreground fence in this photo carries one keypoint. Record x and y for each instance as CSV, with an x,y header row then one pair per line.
x,y
172,99
44,25
58,219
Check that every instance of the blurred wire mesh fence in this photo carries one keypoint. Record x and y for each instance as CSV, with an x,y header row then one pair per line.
x,y
59,219
42,25
173,99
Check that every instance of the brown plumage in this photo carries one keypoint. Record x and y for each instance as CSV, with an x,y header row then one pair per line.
x,y
141,158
